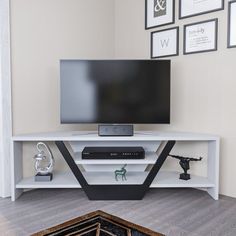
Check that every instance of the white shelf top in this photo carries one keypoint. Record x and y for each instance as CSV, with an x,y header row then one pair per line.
x,y
164,179
93,136
150,158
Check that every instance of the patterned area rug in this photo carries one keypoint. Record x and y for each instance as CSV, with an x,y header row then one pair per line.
x,y
97,223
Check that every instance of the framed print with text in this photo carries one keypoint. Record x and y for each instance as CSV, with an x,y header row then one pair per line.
x,y
232,25
189,8
165,43
201,37
159,13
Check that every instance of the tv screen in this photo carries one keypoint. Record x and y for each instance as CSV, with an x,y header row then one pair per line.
x,y
115,91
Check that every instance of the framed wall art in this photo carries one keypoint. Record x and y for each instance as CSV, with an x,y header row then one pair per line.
x,y
201,37
159,13
232,24
165,43
189,8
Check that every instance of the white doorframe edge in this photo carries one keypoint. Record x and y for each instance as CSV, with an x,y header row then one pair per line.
x,y
5,99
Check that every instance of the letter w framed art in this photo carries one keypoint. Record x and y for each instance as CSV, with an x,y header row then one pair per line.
x,y
165,43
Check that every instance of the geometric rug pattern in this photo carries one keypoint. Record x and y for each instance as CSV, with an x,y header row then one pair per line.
x,y
97,223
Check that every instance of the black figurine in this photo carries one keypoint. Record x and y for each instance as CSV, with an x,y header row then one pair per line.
x,y
184,163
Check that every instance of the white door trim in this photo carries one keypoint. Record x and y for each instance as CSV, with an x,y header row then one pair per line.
x,y
5,99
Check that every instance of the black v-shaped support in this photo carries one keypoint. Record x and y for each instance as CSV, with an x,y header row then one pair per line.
x,y
118,191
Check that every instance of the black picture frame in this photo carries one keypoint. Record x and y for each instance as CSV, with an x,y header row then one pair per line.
x,y
155,26
200,13
177,43
198,23
229,25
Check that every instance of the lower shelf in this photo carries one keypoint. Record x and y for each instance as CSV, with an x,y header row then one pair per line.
x,y
164,179
169,179
60,180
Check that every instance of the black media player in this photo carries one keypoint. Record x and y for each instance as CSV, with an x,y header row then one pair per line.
x,y
113,153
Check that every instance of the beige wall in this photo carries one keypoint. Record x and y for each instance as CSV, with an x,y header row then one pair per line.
x,y
43,31
203,85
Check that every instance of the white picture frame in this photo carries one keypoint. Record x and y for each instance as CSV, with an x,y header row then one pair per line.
x,y
232,24
159,13
201,37
190,8
165,43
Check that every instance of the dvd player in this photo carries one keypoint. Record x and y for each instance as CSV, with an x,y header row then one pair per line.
x,y
113,153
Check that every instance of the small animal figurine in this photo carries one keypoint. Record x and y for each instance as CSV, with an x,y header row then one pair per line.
x,y
121,172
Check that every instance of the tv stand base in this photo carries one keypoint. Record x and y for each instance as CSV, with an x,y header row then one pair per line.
x,y
115,192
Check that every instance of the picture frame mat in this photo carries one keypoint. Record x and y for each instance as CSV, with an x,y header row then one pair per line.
x,y
200,13
164,23
177,42
230,27
215,20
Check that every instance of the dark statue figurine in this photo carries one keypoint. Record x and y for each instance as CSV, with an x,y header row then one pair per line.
x,y
184,163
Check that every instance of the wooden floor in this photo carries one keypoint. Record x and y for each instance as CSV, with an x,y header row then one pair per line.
x,y
181,212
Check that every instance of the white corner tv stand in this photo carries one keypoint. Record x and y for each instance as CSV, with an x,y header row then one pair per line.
x,y
96,177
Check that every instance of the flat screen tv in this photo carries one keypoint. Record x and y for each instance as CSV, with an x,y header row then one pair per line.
x,y
115,91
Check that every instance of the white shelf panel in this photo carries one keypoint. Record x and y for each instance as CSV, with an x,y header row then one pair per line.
x,y
164,179
67,180
169,179
150,158
60,180
93,136
108,178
